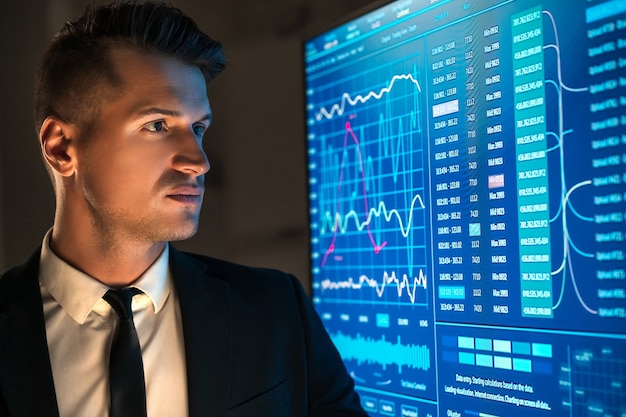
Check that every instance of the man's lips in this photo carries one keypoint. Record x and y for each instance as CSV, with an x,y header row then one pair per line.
x,y
187,194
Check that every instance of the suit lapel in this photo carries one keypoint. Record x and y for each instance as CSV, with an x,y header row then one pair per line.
x,y
25,372
206,314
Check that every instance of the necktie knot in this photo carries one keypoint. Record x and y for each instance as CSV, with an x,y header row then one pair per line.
x,y
121,301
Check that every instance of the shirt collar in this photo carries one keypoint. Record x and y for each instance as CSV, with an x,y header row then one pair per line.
x,y
77,293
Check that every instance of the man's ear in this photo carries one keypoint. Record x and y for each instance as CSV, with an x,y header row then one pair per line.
x,y
56,140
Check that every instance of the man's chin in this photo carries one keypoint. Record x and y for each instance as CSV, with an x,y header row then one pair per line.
x,y
179,230
183,233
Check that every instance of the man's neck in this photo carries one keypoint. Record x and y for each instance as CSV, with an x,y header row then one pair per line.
x,y
114,262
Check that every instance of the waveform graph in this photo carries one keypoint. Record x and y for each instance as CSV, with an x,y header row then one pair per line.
x,y
399,363
386,353
368,201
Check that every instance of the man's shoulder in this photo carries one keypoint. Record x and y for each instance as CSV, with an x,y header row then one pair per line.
x,y
246,284
229,271
23,267
20,281
29,267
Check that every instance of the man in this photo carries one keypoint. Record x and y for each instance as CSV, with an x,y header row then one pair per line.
x,y
121,108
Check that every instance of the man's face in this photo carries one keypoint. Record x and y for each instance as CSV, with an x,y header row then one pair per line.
x,y
140,166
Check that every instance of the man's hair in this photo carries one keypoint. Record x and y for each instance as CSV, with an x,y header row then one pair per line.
x,y
77,74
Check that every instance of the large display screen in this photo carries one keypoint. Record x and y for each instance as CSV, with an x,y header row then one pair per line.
x,y
467,174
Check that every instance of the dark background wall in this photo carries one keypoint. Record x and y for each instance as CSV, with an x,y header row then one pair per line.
x,y
255,203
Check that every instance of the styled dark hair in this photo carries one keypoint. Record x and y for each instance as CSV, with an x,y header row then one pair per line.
x,y
76,74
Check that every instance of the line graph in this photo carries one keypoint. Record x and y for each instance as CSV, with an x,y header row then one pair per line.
x,y
377,246
338,223
339,109
368,191
410,285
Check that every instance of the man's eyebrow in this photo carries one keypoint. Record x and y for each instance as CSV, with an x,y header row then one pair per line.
x,y
167,112
156,110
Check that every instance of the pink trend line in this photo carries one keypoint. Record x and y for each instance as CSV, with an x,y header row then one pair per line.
x,y
331,248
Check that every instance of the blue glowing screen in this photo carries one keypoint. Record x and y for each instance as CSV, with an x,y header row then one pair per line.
x,y
467,189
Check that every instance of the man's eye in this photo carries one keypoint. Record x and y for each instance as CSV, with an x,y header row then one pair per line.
x,y
199,130
156,126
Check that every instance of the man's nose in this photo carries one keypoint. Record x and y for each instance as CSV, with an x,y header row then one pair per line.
x,y
190,157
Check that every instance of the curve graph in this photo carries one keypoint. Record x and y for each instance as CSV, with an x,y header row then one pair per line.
x,y
367,185
337,223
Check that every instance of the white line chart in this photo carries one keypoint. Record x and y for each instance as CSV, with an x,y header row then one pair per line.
x,y
410,285
346,98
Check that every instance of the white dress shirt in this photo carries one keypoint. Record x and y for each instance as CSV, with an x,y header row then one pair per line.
x,y
79,330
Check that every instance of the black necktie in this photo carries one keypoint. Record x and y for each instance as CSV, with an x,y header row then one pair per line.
x,y
127,386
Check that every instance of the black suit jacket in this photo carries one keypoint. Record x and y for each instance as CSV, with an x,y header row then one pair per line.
x,y
253,343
